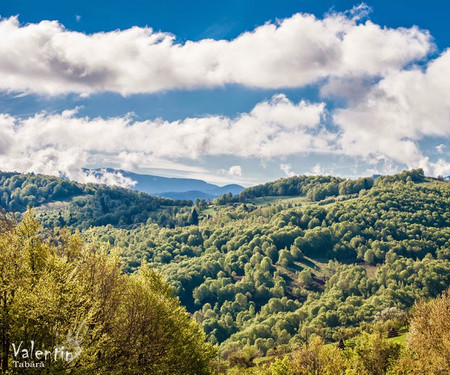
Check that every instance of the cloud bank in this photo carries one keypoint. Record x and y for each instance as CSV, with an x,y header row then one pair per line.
x,y
393,115
46,58
391,102
274,129
62,143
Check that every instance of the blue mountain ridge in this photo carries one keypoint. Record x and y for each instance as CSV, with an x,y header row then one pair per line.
x,y
174,187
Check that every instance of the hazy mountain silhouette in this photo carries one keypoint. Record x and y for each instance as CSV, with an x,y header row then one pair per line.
x,y
174,187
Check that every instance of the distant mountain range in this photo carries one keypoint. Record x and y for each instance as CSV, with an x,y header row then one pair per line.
x,y
175,188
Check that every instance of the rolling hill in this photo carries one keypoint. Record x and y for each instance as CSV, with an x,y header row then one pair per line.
x,y
267,269
174,188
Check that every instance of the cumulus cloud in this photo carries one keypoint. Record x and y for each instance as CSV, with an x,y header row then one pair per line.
x,y
317,170
438,168
48,59
399,110
440,148
350,88
107,177
383,127
380,129
235,170
360,11
287,169
62,143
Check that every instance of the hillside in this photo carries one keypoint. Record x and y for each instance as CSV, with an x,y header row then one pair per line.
x,y
61,202
273,275
317,188
266,270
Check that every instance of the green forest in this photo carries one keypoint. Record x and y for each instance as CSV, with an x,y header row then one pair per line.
x,y
303,275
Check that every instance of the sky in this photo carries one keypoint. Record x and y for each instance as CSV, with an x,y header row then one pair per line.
x,y
229,92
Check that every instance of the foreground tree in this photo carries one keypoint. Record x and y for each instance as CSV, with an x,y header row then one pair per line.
x,y
61,293
429,336
318,359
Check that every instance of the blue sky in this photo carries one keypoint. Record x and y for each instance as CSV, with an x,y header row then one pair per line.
x,y
237,91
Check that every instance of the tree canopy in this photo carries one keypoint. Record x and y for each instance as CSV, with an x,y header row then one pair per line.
x,y
61,293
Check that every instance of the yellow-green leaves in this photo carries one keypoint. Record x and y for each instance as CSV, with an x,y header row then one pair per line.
x,y
68,298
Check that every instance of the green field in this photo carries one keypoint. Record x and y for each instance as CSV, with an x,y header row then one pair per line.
x,y
284,199
400,339
212,210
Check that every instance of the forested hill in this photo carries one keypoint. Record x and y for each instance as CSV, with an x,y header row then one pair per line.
x,y
317,188
267,270
263,277
62,202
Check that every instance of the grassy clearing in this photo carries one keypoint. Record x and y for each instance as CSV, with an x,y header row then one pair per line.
x,y
211,211
318,268
264,360
293,200
400,339
284,199
371,270
59,205
262,202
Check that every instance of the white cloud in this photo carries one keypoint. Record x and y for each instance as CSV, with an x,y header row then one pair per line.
x,y
317,170
360,11
46,58
440,148
235,170
62,143
384,167
401,109
287,169
351,88
439,168
107,177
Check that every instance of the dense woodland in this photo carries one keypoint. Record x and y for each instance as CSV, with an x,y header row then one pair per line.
x,y
80,206
271,284
315,188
